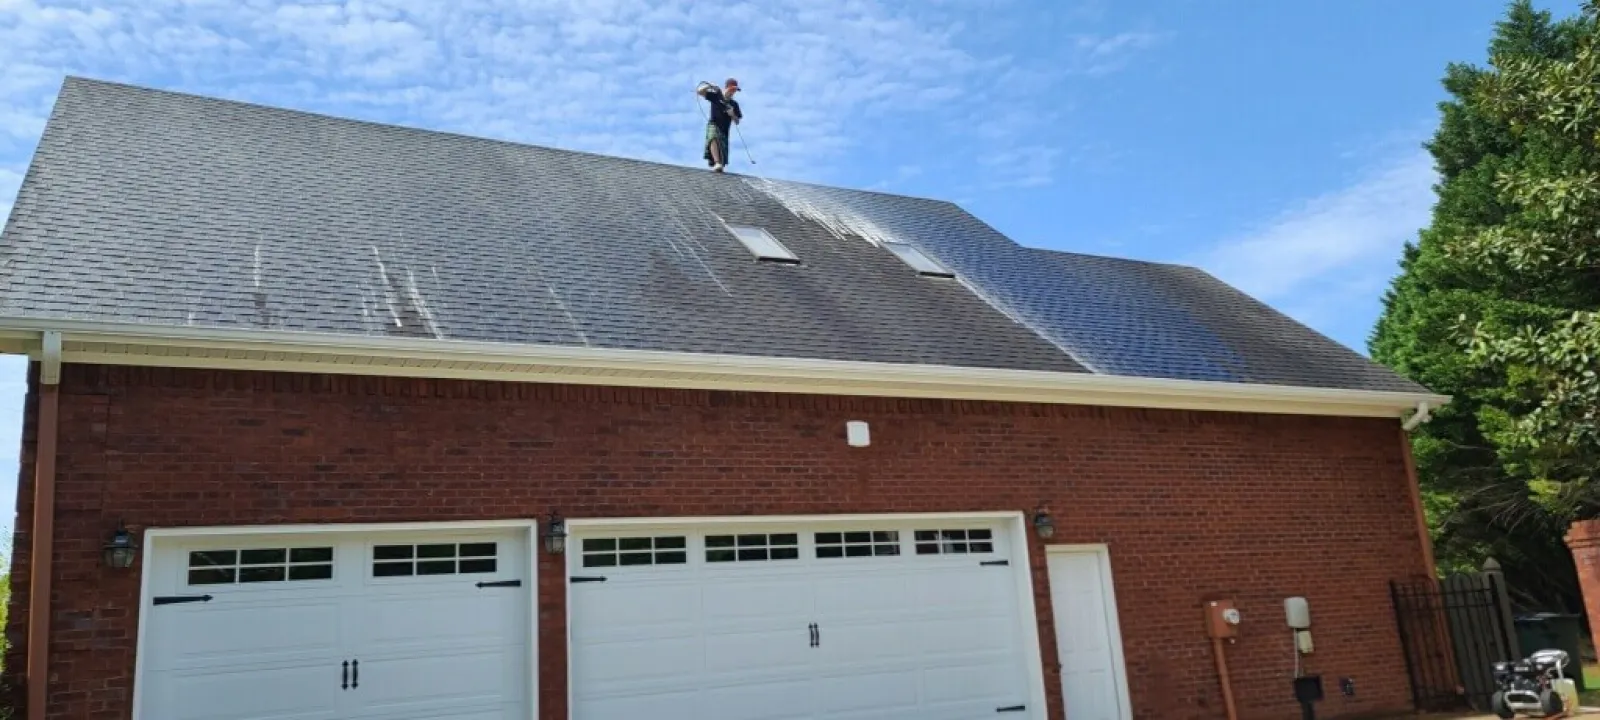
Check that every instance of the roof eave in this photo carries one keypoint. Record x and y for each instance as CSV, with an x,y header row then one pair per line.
x,y
288,351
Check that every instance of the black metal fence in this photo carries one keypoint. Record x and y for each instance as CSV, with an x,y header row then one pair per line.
x,y
1453,631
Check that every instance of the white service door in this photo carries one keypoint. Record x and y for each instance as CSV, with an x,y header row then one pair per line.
x,y
390,626
1084,633
790,622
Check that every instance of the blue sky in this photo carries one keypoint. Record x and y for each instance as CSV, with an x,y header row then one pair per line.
x,y
1276,144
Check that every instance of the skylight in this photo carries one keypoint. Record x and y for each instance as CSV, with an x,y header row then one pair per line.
x,y
923,264
762,244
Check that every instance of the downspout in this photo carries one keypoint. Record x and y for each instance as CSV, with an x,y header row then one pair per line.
x,y
1422,415
42,552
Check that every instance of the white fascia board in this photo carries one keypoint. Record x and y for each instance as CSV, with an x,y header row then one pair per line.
x,y
287,351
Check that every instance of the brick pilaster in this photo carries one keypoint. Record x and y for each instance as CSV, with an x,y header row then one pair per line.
x,y
1583,538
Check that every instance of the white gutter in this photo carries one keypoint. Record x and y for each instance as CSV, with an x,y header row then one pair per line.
x,y
187,346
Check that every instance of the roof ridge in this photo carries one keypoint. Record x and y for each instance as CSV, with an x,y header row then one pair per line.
x,y
71,79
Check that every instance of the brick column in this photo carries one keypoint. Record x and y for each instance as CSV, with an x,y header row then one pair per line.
x,y
1584,540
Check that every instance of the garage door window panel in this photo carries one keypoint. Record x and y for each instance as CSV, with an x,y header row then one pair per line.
x,y
752,547
433,559
635,551
259,565
857,543
954,542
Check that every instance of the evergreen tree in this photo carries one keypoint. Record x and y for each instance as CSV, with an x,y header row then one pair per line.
x,y
1459,300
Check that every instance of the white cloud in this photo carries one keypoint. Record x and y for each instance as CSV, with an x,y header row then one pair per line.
x,y
1021,165
1021,140
13,389
1317,257
13,386
10,180
1104,54
1104,46
901,174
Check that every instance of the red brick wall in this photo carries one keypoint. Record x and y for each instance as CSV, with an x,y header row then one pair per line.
x,y
1192,504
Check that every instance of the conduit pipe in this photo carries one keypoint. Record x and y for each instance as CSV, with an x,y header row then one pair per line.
x,y
1414,486
1218,648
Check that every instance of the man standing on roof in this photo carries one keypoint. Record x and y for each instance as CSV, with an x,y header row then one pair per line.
x,y
724,112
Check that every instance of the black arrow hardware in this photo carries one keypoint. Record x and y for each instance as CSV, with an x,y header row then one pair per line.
x,y
818,631
812,628
176,599
586,578
355,674
344,675
1012,708
988,563
501,583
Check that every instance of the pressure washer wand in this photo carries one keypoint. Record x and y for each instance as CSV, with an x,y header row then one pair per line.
x,y
744,145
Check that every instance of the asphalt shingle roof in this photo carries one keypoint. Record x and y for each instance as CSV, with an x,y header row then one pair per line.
x,y
157,208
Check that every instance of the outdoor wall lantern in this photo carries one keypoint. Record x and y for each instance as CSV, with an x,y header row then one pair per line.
x,y
1043,524
555,534
119,553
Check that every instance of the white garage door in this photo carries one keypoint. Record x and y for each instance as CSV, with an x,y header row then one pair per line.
x,y
890,621
388,626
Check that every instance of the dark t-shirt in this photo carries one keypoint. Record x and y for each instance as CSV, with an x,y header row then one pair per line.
x,y
723,110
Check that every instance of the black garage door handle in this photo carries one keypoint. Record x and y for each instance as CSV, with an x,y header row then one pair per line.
x,y
175,599
1012,708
